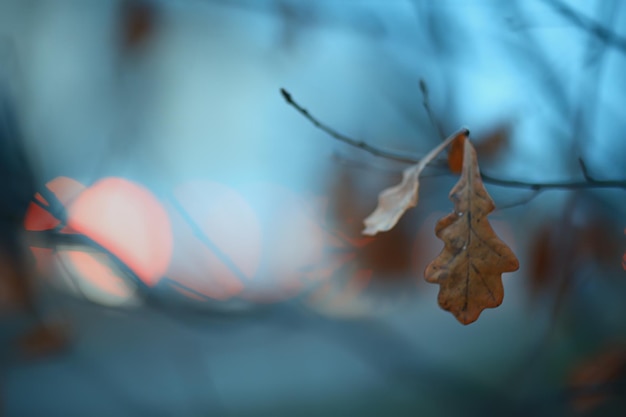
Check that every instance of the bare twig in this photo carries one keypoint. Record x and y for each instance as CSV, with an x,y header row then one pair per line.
x,y
429,110
588,183
345,139
566,185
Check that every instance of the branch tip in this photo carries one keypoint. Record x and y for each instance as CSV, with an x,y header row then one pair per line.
x,y
286,95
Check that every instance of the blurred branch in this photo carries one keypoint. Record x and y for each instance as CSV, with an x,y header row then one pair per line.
x,y
589,24
522,201
584,117
589,182
47,238
206,241
429,111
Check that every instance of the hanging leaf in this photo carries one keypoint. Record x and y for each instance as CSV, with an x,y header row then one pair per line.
x,y
469,268
394,201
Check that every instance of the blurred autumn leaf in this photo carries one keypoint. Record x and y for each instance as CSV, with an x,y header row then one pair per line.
x,y
44,339
455,154
493,142
487,148
364,268
15,292
582,234
469,268
599,379
624,257
137,23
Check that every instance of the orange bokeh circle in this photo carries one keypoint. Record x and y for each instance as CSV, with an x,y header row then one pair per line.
x,y
128,221
122,217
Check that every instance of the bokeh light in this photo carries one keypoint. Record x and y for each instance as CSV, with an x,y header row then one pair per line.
x,y
127,220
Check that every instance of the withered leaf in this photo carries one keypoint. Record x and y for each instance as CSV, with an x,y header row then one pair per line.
x,y
394,201
470,266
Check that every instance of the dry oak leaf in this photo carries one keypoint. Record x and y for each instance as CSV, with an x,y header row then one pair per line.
x,y
394,201
470,266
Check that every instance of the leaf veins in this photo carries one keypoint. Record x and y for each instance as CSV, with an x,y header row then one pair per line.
x,y
470,266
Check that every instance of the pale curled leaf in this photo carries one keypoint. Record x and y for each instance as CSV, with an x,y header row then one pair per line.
x,y
394,201
470,266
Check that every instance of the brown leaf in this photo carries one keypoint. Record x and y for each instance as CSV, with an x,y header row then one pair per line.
x,y
583,235
394,201
137,22
543,249
44,339
15,289
469,268
493,141
488,148
455,154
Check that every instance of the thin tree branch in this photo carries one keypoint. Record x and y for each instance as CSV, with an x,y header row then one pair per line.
x,y
589,182
590,25
429,110
345,139
520,202
567,185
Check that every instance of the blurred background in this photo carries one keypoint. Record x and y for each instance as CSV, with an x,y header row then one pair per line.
x,y
177,240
